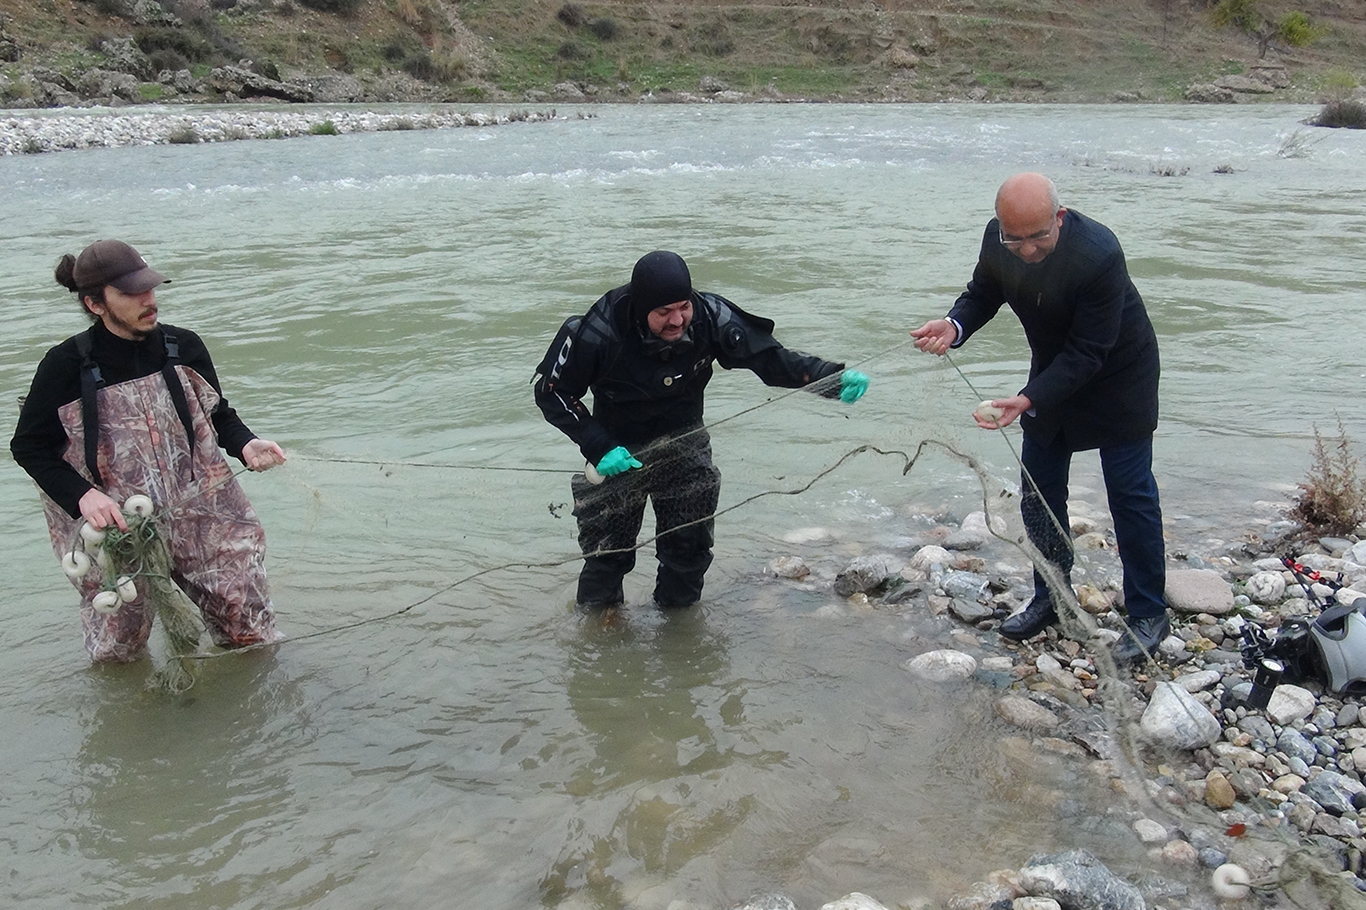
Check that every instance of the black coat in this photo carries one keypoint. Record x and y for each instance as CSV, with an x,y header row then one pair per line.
x,y
644,389
1094,367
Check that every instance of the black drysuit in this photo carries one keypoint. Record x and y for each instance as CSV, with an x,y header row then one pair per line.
x,y
647,397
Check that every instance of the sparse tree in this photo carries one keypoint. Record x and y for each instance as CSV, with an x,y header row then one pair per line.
x,y
1294,29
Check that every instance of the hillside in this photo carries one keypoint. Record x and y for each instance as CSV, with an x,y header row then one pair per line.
x,y
69,51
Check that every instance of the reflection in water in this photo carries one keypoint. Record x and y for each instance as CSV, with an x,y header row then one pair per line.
x,y
173,785
653,692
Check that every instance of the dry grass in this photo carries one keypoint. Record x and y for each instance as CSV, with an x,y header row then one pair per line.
x,y
1332,498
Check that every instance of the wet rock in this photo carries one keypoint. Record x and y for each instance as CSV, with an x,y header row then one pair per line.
x,y
1019,711
1212,858
1289,703
1079,881
1175,853
942,666
1199,591
770,900
962,585
970,611
1030,902
973,534
1149,831
854,901
789,567
1176,719
928,556
865,573
902,593
982,896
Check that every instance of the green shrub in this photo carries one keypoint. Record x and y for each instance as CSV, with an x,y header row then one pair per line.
x,y
419,65
1342,114
339,7
151,91
604,29
326,128
573,50
187,45
572,15
167,59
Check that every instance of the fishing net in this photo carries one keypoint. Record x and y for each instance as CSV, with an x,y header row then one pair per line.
x,y
134,572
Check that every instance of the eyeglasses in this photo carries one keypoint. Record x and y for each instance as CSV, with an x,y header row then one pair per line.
x,y
1014,243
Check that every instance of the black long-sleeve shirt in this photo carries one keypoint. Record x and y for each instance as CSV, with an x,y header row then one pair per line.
x,y
40,439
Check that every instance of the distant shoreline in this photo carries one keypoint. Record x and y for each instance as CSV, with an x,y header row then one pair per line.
x,y
70,129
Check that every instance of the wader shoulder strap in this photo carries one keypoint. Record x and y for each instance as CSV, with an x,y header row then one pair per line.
x,y
91,381
173,385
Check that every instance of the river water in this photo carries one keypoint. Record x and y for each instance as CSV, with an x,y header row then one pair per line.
x,y
377,303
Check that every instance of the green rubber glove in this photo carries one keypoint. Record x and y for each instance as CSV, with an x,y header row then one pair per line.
x,y
617,461
852,386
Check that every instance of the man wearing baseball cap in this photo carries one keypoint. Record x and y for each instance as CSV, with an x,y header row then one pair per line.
x,y
133,406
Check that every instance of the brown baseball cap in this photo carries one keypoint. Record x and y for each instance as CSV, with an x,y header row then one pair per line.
x,y
115,262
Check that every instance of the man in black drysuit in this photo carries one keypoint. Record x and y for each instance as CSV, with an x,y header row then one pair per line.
x,y
646,350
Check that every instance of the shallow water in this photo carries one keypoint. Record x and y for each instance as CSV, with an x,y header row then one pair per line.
x,y
385,298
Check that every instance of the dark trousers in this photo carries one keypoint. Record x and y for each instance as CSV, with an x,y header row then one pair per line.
x,y
684,486
1132,492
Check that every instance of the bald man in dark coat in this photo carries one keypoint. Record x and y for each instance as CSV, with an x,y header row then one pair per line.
x,y
1092,385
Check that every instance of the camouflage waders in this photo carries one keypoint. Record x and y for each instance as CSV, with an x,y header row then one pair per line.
x,y
216,543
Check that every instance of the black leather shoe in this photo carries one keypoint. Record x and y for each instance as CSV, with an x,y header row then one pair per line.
x,y
1030,621
1144,635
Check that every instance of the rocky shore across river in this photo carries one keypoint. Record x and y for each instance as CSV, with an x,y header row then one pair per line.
x,y
24,133
1237,806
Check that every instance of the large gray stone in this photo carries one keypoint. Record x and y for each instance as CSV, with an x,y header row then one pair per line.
x,y
1079,881
944,665
1176,719
244,83
1209,93
1199,591
1333,791
1244,85
1022,712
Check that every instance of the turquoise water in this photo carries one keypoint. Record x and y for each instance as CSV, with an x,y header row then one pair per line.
x,y
385,298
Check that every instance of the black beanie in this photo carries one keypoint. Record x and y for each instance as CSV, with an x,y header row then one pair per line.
x,y
659,279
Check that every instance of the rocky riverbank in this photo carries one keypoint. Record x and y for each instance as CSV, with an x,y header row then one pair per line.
x,y
1237,805
33,133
